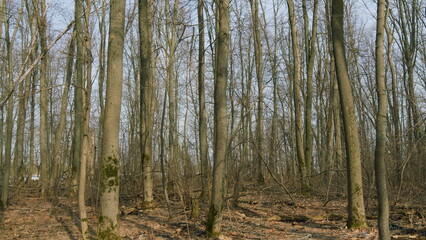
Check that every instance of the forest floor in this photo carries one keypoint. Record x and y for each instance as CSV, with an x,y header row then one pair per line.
x,y
262,214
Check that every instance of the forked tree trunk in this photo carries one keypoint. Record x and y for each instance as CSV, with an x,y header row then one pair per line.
x,y
109,189
356,209
310,52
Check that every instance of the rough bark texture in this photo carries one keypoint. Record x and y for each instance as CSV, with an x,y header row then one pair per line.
x,y
109,211
147,97
214,220
381,124
356,209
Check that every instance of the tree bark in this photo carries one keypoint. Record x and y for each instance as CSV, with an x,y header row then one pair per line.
x,y
109,211
214,220
9,121
44,135
356,209
78,96
310,52
85,148
381,124
202,106
147,84
259,75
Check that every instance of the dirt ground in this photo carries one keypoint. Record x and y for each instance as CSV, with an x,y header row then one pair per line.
x,y
260,215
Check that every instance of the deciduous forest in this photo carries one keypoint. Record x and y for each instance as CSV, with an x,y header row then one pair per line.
x,y
217,119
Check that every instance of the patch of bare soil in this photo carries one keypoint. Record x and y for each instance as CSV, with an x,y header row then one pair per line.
x,y
261,214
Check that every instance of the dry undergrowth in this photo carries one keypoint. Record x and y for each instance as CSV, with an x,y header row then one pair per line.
x,y
262,214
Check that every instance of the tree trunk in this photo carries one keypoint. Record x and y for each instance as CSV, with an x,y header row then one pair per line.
x,y
310,51
381,124
44,136
214,220
109,211
85,148
356,209
259,75
78,96
9,121
147,84
202,106
297,98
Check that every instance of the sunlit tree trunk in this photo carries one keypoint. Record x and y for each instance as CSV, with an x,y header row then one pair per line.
x,y
85,148
214,220
109,189
356,209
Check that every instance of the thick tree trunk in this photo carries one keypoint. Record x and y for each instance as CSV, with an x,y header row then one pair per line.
x,y
147,84
214,220
356,209
109,211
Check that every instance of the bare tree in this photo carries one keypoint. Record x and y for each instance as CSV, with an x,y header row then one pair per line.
x,y
202,105
381,124
356,209
214,221
147,97
109,212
